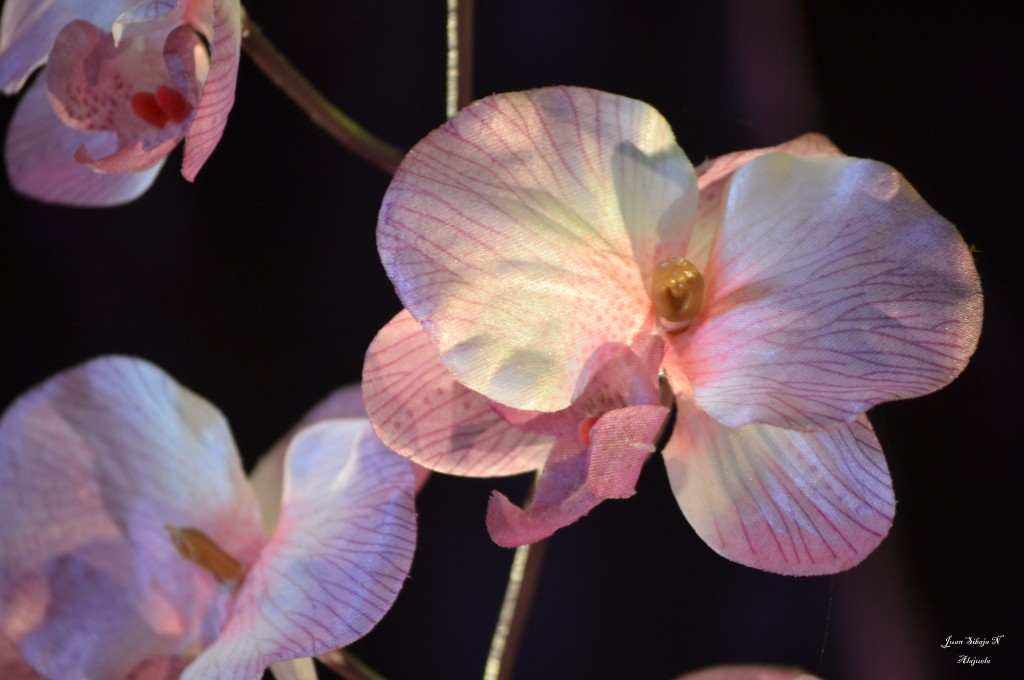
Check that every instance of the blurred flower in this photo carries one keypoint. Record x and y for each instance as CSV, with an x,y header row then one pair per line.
x,y
748,672
132,544
124,82
538,235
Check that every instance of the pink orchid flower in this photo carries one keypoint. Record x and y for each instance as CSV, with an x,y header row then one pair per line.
x,y
536,236
132,545
124,82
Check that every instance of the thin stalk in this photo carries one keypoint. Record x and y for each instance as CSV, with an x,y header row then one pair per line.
x,y
328,117
515,608
347,666
459,73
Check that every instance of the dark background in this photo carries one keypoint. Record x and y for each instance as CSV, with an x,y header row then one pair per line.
x,y
259,287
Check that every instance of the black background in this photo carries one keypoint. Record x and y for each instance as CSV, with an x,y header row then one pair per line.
x,y
259,287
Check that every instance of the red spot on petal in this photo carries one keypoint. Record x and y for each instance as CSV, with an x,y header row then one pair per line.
x,y
585,428
172,103
146,107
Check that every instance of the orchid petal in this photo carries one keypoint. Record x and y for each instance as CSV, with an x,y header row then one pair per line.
x,y
577,479
832,287
148,17
29,27
12,665
713,180
420,411
519,234
750,672
94,464
218,94
39,155
341,552
780,500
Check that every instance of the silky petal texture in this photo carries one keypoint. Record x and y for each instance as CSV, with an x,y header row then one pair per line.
x,y
571,486
12,666
520,232
748,673
147,17
29,27
783,501
421,411
218,94
39,154
341,552
94,464
832,287
713,180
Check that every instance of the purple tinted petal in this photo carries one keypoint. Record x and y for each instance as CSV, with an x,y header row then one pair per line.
x,y
577,478
520,232
832,287
94,463
29,27
783,501
218,94
39,154
12,665
341,552
421,411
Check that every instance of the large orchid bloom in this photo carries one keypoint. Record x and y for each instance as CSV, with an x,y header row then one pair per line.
x,y
538,237
131,544
124,82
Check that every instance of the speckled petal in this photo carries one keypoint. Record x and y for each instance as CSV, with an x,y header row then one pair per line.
x,y
779,500
94,463
39,155
419,410
520,232
339,556
832,287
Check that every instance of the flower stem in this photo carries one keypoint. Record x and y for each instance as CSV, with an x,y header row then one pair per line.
x,y
515,608
459,73
347,666
349,133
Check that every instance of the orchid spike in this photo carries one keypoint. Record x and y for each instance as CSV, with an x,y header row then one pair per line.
x,y
792,288
132,544
124,82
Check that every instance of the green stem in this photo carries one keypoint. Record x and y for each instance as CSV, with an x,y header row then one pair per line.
x,y
515,608
349,133
347,666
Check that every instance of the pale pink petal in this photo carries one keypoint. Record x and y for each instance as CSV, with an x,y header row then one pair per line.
x,y
147,17
784,501
519,234
218,94
341,552
419,410
94,463
577,479
832,287
748,673
713,176
39,155
29,27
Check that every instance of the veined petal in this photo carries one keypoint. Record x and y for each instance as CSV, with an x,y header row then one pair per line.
x,y
218,94
784,501
39,154
94,464
421,411
147,17
578,478
519,234
713,179
832,287
341,552
29,27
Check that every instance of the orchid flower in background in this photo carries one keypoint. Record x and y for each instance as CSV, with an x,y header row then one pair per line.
x,y
123,83
538,236
132,544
